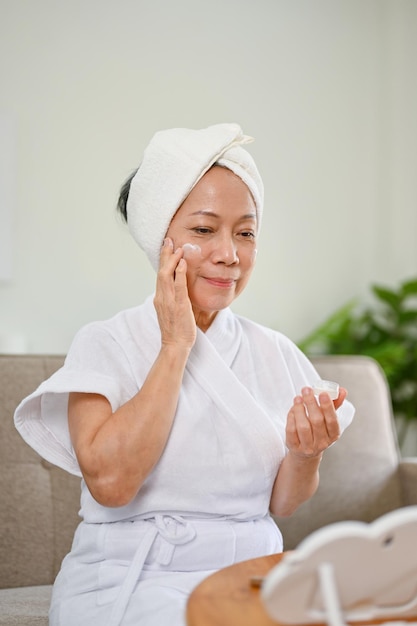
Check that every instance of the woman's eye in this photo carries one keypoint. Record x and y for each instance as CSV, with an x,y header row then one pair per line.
x,y
248,234
202,230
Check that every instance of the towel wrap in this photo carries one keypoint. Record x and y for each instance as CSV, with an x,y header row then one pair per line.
x,y
173,163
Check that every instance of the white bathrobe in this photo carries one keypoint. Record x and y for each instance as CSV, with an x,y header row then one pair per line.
x,y
205,504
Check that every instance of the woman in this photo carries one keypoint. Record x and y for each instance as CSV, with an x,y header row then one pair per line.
x,y
189,425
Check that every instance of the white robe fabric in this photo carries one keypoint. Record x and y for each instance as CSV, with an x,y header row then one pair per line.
x,y
206,503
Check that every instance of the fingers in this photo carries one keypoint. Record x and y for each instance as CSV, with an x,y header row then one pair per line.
x,y
326,407
172,273
341,397
302,428
312,423
292,438
180,279
171,301
168,261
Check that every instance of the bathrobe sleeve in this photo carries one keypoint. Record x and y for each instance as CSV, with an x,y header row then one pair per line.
x,y
95,363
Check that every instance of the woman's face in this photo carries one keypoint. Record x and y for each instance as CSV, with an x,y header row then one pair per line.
x,y
219,219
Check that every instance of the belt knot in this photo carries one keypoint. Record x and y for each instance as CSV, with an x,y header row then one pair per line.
x,y
176,531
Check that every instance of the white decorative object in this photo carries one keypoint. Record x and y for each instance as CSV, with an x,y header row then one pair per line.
x,y
348,572
7,193
328,386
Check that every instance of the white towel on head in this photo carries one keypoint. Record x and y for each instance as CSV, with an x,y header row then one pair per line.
x,y
173,162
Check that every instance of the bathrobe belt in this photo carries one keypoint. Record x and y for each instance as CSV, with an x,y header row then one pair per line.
x,y
176,531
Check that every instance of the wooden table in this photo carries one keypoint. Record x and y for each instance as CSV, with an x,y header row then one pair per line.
x,y
227,598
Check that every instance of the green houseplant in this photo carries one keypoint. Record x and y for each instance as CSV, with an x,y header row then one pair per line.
x,y
384,328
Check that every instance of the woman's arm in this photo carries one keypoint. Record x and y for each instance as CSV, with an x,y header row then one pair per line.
x,y
312,427
117,451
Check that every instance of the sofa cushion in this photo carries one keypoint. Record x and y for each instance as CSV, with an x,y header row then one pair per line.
x,y
25,606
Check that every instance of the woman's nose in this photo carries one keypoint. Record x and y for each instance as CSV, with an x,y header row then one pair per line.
x,y
225,251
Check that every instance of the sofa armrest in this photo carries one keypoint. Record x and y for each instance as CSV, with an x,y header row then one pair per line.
x,y
408,474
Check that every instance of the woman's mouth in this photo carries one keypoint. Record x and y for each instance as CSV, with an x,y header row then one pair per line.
x,y
221,283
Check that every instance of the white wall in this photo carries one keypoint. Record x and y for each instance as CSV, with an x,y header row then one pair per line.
x,y
327,87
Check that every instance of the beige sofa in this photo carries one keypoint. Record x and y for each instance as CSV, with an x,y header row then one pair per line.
x,y
362,478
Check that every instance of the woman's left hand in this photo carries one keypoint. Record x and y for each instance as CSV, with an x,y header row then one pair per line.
x,y
312,424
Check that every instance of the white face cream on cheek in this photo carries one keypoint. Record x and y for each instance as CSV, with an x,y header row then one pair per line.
x,y
191,251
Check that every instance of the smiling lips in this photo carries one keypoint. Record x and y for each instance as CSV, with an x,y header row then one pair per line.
x,y
223,283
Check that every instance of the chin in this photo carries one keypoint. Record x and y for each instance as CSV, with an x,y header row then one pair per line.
x,y
214,304
210,300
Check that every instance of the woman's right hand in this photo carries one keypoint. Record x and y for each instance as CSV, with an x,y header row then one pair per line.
x,y
172,303
117,450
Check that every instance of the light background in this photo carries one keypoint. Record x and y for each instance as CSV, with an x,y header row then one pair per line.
x,y
7,194
327,87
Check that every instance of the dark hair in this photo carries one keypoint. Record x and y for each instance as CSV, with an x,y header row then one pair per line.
x,y
124,194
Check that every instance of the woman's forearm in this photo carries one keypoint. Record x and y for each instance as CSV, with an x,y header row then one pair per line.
x,y
312,426
296,481
117,451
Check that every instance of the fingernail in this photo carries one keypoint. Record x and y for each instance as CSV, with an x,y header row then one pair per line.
x,y
306,391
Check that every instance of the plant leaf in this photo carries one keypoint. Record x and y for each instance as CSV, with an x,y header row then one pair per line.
x,y
388,296
385,331
408,316
409,287
333,326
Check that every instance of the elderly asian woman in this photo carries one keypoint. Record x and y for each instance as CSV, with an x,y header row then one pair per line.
x,y
189,425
